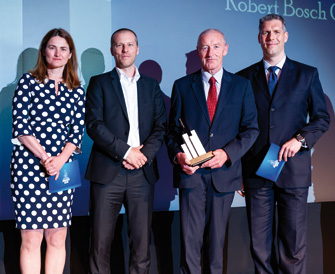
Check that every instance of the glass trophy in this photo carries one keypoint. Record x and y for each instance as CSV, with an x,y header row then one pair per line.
x,y
193,147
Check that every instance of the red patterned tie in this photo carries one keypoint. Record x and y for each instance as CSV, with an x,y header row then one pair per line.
x,y
212,99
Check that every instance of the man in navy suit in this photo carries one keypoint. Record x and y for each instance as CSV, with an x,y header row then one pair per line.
x,y
126,120
229,129
292,113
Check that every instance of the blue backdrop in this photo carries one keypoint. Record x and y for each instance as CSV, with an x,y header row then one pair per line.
x,y
167,32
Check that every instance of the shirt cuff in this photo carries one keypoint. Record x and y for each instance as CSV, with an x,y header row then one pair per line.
x,y
126,155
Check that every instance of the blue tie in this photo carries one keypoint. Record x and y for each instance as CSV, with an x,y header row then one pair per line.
x,y
272,79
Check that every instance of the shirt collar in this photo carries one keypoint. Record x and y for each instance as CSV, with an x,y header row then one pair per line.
x,y
279,65
123,76
206,76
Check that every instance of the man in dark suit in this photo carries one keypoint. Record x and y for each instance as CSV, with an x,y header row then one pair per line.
x,y
228,129
292,113
126,120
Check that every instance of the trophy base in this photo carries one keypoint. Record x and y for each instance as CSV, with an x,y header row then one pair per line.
x,y
202,158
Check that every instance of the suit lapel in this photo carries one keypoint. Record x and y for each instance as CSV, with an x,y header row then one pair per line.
x,y
284,79
199,93
119,93
226,89
260,78
283,82
141,97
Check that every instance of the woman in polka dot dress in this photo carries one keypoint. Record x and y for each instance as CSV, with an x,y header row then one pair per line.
x,y
48,126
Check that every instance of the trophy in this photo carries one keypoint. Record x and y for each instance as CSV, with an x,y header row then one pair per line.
x,y
193,147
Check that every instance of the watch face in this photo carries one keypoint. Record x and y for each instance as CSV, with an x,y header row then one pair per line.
x,y
300,138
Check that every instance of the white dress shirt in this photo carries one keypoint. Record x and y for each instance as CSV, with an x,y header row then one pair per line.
x,y
205,81
278,71
129,89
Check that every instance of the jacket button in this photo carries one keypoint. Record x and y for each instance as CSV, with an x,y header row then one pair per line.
x,y
272,109
272,126
211,135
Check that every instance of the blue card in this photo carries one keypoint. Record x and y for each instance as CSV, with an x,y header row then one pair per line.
x,y
69,177
270,168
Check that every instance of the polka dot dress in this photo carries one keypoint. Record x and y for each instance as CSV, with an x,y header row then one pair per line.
x,y
53,120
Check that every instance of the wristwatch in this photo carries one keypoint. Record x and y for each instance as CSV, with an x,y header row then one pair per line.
x,y
301,139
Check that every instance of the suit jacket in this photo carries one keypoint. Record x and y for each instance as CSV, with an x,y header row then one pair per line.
x,y
108,126
234,127
298,94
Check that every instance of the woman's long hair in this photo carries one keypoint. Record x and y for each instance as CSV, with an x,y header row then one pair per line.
x,y
70,75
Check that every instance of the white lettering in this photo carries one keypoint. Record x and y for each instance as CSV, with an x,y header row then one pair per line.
x,y
321,12
244,6
290,10
299,12
252,5
262,8
288,6
312,14
332,11
232,2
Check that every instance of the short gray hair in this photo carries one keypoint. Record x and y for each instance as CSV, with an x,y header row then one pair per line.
x,y
270,17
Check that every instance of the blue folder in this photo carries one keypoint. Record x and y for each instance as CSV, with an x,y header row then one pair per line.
x,y
270,168
69,177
